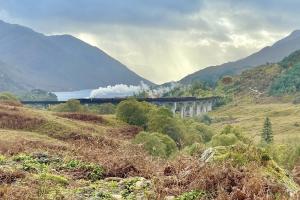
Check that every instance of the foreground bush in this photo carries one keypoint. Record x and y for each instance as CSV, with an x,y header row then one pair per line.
x,y
229,136
69,106
133,112
286,155
156,144
103,109
200,130
161,120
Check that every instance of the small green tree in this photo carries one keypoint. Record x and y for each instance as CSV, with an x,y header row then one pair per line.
x,y
156,144
70,106
161,120
133,112
267,133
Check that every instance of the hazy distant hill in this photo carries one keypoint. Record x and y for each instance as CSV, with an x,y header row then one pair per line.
x,y
56,63
270,54
10,79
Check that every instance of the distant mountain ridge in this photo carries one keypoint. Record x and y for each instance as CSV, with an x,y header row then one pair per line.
x,y
56,63
270,54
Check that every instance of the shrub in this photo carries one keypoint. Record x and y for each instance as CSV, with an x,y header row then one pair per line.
x,y
237,132
103,109
202,130
229,136
224,140
69,106
161,120
133,112
195,149
286,155
206,119
156,144
190,137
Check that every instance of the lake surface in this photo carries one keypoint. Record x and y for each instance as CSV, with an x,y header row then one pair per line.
x,y
81,94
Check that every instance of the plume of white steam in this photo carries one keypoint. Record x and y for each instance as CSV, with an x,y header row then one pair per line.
x,y
122,90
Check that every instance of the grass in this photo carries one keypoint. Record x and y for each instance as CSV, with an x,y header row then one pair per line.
x,y
285,118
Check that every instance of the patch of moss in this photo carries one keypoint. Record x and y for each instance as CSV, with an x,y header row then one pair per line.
x,y
56,179
2,159
103,196
29,163
95,172
129,187
192,195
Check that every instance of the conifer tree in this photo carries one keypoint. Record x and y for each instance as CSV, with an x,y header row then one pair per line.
x,y
267,133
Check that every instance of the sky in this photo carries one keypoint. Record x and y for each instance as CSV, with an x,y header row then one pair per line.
x,y
162,40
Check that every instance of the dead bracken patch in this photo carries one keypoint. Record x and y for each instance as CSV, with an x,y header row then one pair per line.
x,y
11,103
14,120
127,132
296,174
218,181
82,117
22,145
10,177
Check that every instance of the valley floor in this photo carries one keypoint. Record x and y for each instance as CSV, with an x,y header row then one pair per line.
x,y
285,118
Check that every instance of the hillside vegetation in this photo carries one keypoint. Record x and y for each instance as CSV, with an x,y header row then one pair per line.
x,y
247,148
271,80
71,155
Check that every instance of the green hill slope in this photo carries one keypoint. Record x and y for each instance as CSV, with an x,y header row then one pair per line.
x,y
278,79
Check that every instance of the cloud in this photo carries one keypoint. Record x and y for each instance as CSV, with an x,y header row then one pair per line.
x,y
163,40
166,13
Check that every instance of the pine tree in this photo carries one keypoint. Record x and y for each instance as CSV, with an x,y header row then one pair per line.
x,y
267,133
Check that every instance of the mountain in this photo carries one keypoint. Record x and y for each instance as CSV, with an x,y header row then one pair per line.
x,y
270,54
276,79
57,63
10,79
